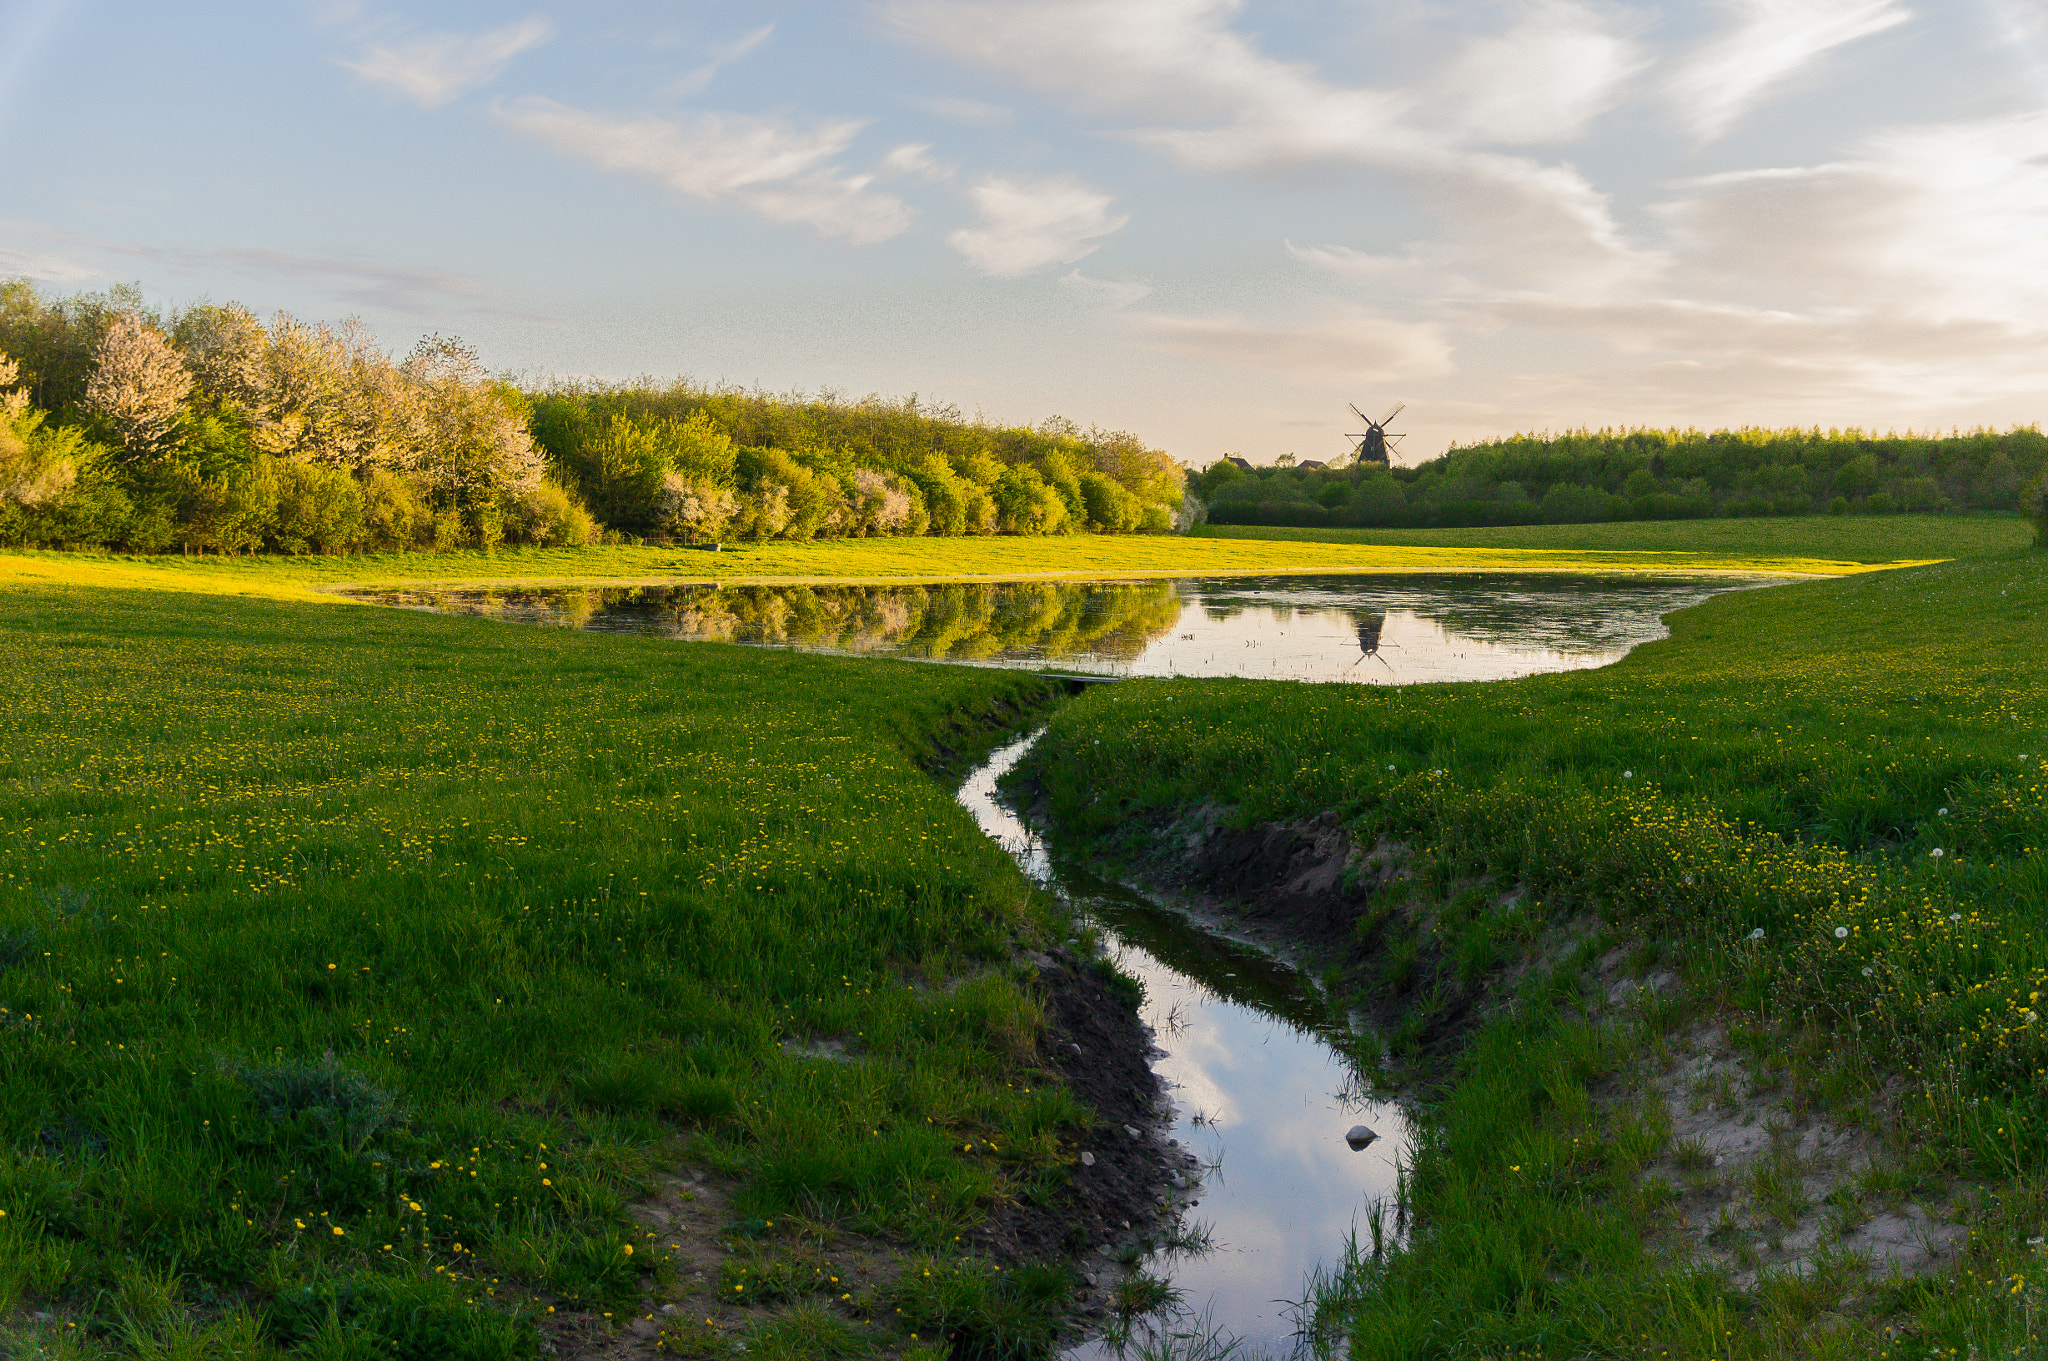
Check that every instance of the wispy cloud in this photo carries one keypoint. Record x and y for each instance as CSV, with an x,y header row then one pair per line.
x,y
44,268
1339,342
1542,81
350,278
1206,96
1116,292
699,80
971,112
1770,42
780,170
435,68
1028,222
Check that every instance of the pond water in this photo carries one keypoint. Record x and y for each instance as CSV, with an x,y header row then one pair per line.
x,y
1258,1092
1375,630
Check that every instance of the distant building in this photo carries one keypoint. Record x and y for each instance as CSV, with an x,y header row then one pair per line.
x,y
1237,462
1315,463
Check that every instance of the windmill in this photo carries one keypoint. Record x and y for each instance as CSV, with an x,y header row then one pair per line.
x,y
1373,446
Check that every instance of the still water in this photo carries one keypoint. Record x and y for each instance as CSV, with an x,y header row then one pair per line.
x,y
1258,1093
1375,630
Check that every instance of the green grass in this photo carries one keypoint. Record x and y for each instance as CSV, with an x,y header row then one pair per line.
x,y
358,967
1850,538
921,559
1788,763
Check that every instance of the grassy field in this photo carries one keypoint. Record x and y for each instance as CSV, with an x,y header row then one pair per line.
x,y
1824,807
1093,556
1849,538
358,969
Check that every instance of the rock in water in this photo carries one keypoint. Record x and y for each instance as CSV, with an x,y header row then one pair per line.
x,y
1358,1136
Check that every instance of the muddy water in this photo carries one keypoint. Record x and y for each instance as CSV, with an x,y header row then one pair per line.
x,y
1258,1091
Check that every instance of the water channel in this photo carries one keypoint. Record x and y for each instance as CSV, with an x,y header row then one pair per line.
x,y
1258,1089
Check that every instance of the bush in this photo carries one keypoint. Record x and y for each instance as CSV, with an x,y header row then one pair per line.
x,y
319,509
546,514
396,516
2035,506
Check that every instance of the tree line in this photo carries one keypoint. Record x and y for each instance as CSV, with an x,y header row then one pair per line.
x,y
693,463
211,430
1643,474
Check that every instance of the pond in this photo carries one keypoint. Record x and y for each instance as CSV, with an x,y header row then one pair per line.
x,y
1377,630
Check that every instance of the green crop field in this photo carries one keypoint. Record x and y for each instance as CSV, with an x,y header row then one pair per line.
x,y
1824,806
358,969
1859,538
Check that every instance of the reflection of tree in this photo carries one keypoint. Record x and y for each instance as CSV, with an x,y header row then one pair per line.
x,y
963,622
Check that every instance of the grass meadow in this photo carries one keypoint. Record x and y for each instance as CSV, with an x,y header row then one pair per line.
x,y
1825,805
359,968
1576,548
1861,538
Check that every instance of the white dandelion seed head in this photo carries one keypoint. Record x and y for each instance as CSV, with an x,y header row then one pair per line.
x,y
1867,972
1841,933
1955,916
1628,774
1757,934
1936,853
1438,771
1941,812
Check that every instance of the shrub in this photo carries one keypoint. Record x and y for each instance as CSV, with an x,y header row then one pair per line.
x,y
2035,506
319,509
546,514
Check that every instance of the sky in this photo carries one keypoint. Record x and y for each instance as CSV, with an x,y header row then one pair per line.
x,y
1214,223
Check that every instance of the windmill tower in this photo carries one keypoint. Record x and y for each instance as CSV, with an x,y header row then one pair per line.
x,y
1375,445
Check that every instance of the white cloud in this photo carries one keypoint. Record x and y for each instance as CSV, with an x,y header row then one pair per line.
x,y
699,80
1340,343
915,158
1544,80
971,112
1899,284
1030,222
1116,292
774,168
1772,40
434,69
1209,98
49,269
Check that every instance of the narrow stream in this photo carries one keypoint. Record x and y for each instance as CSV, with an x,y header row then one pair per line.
x,y
1258,1093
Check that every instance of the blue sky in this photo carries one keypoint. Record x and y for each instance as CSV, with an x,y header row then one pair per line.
x,y
1213,222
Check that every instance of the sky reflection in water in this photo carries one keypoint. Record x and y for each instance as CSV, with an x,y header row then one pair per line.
x,y
1368,629
1255,1091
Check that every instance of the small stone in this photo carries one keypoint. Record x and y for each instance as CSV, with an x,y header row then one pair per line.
x,y
1075,1047
1126,1223
671,1310
1087,1159
1358,1136
1131,1130
1180,1182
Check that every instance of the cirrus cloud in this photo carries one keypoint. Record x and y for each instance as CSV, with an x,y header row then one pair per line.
x,y
436,68
777,169
1029,222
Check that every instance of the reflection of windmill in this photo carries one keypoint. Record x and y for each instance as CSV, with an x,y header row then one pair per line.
x,y
1369,629
1373,445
